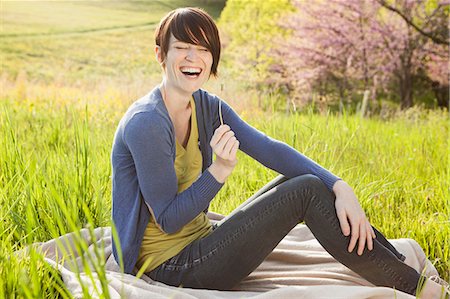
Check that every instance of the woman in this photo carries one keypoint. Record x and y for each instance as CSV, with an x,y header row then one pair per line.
x,y
164,178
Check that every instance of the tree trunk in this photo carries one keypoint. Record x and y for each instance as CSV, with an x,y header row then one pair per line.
x,y
406,75
406,91
364,103
442,94
341,99
373,92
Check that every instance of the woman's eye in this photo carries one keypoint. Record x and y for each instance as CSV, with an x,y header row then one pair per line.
x,y
180,48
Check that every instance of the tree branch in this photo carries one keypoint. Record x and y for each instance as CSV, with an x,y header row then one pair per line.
x,y
429,35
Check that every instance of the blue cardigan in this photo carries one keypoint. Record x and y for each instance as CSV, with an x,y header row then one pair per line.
x,y
144,182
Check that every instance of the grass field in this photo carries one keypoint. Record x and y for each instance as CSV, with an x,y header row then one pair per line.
x,y
65,87
84,41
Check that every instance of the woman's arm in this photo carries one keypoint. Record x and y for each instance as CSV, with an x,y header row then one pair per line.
x,y
272,153
150,143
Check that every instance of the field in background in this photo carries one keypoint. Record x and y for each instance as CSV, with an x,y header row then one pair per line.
x,y
65,86
75,42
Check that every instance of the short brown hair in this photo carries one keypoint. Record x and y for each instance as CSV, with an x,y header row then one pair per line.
x,y
190,25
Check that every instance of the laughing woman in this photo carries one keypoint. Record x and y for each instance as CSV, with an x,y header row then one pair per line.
x,y
164,178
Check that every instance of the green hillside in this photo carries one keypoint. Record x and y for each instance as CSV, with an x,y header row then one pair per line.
x,y
73,41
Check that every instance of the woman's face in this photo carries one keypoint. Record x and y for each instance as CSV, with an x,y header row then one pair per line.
x,y
187,66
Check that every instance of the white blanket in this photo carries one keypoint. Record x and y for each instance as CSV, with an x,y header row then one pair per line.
x,y
298,268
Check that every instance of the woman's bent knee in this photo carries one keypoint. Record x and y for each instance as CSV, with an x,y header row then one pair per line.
x,y
307,180
312,185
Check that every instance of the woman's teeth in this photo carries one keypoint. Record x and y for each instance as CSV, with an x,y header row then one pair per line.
x,y
191,71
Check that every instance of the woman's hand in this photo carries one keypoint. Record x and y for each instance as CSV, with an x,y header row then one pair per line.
x,y
225,146
352,218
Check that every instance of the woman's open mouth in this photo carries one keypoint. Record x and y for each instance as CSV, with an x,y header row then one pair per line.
x,y
191,72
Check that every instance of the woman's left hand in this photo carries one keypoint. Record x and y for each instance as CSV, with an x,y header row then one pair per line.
x,y
352,218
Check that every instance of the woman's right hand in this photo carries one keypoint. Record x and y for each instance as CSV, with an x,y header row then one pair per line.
x,y
225,146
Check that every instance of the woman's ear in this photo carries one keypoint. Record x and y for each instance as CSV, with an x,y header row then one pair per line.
x,y
158,54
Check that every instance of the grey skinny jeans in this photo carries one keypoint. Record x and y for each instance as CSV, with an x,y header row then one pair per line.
x,y
242,240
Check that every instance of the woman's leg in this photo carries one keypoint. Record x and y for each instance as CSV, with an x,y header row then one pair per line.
x,y
244,239
270,185
280,179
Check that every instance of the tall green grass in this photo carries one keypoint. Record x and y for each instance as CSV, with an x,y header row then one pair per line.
x,y
55,176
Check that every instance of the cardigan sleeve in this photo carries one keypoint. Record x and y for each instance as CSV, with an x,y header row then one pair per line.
x,y
272,153
148,139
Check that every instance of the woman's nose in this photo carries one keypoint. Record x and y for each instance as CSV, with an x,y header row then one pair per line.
x,y
191,54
